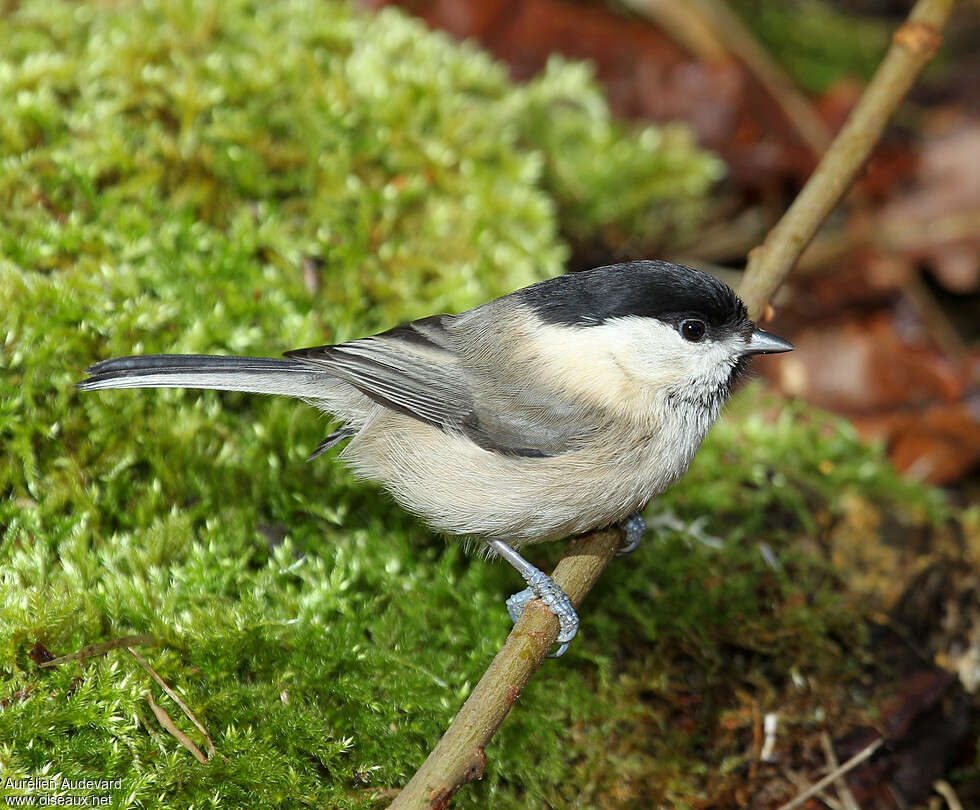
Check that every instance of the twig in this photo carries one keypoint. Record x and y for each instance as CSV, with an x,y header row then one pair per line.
x,y
795,105
458,757
945,789
802,783
91,650
887,234
176,699
169,725
843,789
712,31
938,324
834,775
913,45
684,24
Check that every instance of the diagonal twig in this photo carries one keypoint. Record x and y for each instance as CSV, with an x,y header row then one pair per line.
x,y
913,45
176,699
712,31
843,789
834,775
797,108
803,784
458,757
945,789
170,726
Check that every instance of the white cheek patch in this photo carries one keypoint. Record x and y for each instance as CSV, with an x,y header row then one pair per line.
x,y
652,352
654,355
582,360
630,364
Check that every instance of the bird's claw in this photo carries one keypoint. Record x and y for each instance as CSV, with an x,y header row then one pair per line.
x,y
635,527
541,586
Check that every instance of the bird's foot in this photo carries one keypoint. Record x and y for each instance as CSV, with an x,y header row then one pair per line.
x,y
635,527
544,588
540,586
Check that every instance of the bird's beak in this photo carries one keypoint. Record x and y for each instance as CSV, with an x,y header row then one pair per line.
x,y
761,342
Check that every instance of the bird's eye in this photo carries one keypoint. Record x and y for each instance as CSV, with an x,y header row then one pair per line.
x,y
693,330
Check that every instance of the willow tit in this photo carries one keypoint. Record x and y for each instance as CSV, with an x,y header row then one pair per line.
x,y
561,407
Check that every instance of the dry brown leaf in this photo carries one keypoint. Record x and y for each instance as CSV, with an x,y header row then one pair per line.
x,y
166,721
173,696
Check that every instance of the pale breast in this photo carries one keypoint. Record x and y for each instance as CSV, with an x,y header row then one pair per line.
x,y
462,489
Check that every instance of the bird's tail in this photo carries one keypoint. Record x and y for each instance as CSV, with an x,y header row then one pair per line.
x,y
258,375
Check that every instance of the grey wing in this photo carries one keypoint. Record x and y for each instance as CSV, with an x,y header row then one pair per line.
x,y
403,369
416,370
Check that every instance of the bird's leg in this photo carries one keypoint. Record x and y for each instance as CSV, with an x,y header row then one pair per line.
x,y
635,527
539,586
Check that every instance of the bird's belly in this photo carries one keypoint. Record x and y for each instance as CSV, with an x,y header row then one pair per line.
x,y
462,489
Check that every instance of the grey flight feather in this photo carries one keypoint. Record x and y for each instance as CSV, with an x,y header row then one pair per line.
x,y
123,366
338,436
259,375
395,379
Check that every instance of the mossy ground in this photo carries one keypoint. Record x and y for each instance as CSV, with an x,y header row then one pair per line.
x,y
228,178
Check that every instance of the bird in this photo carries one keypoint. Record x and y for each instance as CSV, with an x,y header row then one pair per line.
x,y
559,408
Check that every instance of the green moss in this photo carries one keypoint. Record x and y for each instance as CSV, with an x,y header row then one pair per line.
x,y
644,191
199,177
